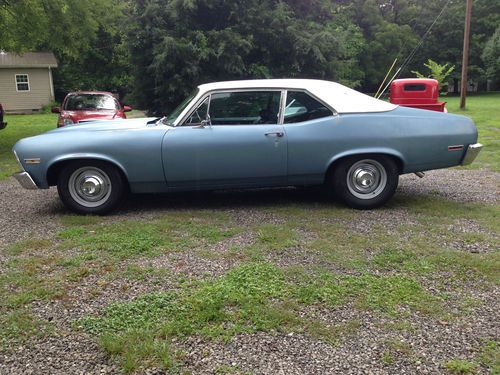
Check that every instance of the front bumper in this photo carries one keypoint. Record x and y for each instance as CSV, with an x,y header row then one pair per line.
x,y
25,180
3,125
471,153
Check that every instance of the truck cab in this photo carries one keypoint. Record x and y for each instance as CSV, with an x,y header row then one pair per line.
x,y
421,93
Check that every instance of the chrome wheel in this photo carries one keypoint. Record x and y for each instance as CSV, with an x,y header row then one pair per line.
x,y
366,179
89,186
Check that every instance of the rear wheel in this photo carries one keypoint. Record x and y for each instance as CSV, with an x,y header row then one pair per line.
x,y
91,187
365,181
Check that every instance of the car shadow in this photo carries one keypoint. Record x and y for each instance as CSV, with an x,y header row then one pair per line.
x,y
227,199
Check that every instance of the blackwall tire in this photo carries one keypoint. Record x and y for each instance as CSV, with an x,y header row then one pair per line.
x,y
91,187
365,181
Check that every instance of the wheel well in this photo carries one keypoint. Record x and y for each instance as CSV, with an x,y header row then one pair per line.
x,y
332,166
56,168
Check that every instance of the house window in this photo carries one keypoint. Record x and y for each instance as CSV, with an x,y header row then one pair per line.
x,y
22,82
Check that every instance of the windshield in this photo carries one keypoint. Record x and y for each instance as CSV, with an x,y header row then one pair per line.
x,y
85,102
176,112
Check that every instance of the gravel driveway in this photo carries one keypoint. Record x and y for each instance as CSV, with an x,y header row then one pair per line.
x,y
33,214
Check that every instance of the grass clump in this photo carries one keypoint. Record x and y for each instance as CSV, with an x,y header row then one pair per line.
x,y
490,356
389,294
28,245
139,332
127,239
461,366
19,325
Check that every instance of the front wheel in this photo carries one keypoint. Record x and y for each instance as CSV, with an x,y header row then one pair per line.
x,y
90,187
365,182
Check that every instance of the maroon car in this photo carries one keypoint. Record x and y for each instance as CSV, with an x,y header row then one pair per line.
x,y
85,106
2,124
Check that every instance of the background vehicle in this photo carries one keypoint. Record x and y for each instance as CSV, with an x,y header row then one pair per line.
x,y
248,134
84,106
2,124
421,93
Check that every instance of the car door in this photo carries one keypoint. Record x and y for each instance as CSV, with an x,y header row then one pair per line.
x,y
231,139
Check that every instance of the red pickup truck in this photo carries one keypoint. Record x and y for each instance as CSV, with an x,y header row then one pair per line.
x,y
422,93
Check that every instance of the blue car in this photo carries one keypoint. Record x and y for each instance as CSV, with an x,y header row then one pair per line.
x,y
249,134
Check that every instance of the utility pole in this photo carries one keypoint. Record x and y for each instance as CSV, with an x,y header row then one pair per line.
x,y
465,60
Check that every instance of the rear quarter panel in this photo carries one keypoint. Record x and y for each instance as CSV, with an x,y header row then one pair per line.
x,y
419,138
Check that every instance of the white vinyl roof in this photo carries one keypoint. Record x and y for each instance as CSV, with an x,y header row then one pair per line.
x,y
339,97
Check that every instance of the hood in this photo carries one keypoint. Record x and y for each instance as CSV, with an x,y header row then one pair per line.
x,y
105,125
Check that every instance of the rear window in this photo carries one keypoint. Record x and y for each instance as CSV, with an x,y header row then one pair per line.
x,y
414,87
83,102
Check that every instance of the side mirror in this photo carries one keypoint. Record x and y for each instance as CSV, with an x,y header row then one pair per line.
x,y
127,108
56,110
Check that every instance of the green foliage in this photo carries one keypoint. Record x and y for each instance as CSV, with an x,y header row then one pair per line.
x,y
491,56
438,72
461,366
177,45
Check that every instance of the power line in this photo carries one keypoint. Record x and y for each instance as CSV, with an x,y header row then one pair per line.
x,y
422,39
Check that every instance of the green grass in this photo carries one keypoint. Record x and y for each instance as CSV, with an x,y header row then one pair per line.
x,y
490,356
483,109
127,239
20,126
20,325
461,366
249,298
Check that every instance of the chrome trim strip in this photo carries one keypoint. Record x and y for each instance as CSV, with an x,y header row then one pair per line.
x,y
25,180
471,153
281,115
17,159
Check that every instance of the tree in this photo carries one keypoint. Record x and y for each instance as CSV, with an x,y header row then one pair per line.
x,y
178,44
445,41
87,37
439,72
491,57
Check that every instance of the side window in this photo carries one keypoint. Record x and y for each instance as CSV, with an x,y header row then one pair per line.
x,y
246,107
198,115
300,106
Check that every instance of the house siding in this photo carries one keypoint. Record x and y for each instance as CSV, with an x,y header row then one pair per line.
x,y
38,96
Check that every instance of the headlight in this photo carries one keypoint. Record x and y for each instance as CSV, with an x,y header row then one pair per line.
x,y
67,121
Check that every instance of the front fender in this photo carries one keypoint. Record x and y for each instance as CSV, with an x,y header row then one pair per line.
x,y
57,160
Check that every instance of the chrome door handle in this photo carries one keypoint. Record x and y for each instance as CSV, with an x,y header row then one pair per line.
x,y
277,134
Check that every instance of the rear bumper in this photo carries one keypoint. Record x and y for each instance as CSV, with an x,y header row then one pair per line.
x,y
471,153
25,180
